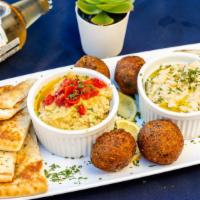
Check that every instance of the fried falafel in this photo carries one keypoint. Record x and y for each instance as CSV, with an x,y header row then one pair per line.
x,y
113,150
126,73
93,63
160,141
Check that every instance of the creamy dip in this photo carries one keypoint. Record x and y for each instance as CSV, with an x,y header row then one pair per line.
x,y
74,102
175,87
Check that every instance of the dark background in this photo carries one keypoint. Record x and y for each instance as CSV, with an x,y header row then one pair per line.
x,y
53,41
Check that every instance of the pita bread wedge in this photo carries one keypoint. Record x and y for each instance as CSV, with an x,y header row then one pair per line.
x,y
14,131
12,95
29,178
5,88
7,166
8,113
29,155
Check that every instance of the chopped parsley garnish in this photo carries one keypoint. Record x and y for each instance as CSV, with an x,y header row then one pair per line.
x,y
53,167
56,174
80,85
91,109
170,90
160,100
179,89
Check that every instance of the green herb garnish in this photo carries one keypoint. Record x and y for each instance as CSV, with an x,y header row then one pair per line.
x,y
56,174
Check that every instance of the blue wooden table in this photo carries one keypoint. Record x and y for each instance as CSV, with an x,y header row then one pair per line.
x,y
53,41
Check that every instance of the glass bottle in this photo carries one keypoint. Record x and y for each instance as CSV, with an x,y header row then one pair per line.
x,y
14,21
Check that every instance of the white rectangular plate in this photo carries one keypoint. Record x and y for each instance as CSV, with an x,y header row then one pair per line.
x,y
95,178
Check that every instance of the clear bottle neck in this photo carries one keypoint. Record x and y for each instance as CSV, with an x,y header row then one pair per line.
x,y
31,10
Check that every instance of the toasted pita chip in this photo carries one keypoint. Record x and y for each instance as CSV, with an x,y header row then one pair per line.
x,y
12,95
29,155
32,183
29,178
7,166
14,131
8,113
5,88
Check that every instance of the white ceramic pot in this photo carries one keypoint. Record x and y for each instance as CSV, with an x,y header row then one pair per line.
x,y
102,41
71,143
189,123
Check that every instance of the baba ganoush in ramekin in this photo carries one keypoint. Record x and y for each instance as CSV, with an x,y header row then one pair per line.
x,y
71,108
175,87
169,87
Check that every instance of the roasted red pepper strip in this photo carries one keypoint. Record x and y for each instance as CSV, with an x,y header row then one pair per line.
x,y
73,101
98,83
81,109
70,82
48,100
60,100
89,92
69,90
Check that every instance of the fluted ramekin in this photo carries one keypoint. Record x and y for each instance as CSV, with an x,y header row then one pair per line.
x,y
189,123
71,143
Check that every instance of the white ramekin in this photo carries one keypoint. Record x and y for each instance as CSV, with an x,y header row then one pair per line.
x,y
73,143
189,123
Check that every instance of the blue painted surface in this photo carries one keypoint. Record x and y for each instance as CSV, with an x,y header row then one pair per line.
x,y
54,41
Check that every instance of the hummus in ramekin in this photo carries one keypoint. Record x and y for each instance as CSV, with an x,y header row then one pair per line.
x,y
73,102
71,108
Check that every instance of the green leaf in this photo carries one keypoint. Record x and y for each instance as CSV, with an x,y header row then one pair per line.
x,y
114,1
117,9
93,1
102,19
88,8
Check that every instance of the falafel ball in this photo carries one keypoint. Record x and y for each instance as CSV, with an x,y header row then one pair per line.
x,y
126,73
160,141
113,150
93,63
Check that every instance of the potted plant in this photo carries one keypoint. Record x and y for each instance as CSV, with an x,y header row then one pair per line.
x,y
102,25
